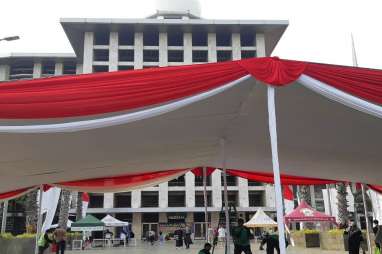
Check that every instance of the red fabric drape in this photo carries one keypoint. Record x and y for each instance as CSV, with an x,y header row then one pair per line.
x,y
199,171
288,192
15,194
376,188
285,179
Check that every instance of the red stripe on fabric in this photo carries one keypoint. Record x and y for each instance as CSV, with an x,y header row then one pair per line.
x,y
15,193
199,171
85,197
288,193
360,82
375,188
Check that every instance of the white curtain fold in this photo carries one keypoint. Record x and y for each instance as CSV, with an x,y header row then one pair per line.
x,y
119,119
340,96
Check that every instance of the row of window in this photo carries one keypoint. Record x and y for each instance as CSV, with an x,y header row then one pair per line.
x,y
175,199
176,38
24,69
198,56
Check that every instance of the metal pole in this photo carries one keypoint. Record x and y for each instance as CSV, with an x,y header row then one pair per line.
x,y
329,199
276,167
228,233
5,213
205,202
39,219
366,218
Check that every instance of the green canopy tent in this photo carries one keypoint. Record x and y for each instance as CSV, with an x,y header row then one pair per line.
x,y
89,223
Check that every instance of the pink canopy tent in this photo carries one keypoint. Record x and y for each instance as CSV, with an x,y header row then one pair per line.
x,y
305,213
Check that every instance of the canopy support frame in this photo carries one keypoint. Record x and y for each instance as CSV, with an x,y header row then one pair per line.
x,y
276,167
227,219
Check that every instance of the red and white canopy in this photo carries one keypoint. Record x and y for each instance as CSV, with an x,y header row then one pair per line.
x,y
305,213
72,128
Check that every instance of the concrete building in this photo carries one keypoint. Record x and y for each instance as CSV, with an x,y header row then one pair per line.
x,y
171,37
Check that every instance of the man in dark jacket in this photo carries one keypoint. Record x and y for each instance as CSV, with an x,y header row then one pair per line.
x,y
206,249
241,236
355,238
375,231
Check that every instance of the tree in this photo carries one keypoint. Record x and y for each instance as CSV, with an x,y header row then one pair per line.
x,y
342,203
64,209
79,206
31,211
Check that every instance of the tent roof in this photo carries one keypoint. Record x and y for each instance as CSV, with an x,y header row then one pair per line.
x,y
305,212
317,137
260,220
88,221
110,221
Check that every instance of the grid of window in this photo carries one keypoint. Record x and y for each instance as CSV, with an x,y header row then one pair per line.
x,y
175,38
47,69
256,198
248,38
254,183
248,54
95,200
150,37
224,55
126,55
100,68
21,70
125,67
102,38
199,198
101,55
70,68
149,199
150,56
231,180
199,56
233,198
199,38
126,38
223,38
176,198
122,200
180,181
199,180
175,56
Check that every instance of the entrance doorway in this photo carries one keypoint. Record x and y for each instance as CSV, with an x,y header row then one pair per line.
x,y
199,230
146,227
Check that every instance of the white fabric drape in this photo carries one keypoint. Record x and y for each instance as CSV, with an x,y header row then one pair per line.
x,y
49,204
339,96
119,119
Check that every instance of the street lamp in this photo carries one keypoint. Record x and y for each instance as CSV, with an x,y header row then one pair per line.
x,y
10,38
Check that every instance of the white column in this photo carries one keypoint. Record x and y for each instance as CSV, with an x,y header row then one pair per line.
x,y
163,48
88,52
4,219
137,225
79,68
236,46
113,51
276,167
4,72
212,54
216,183
108,200
37,70
243,192
205,202
190,189
260,45
187,37
269,193
136,199
163,195
138,50
58,69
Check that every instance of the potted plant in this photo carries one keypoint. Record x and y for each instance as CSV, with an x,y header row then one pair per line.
x,y
312,238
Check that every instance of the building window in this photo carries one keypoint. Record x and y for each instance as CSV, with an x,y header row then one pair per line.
x,y
199,198
101,55
126,38
151,38
248,54
122,199
176,198
102,38
224,55
150,55
150,67
223,38
254,183
176,56
318,191
247,39
48,69
233,198
125,67
175,38
231,180
256,198
126,55
95,200
199,56
199,38
180,181
149,199
70,68
21,70
320,205
199,180
100,68
150,217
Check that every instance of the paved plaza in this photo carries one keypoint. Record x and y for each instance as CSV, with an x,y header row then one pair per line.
x,y
169,247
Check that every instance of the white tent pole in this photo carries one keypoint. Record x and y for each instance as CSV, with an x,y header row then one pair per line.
x,y
276,169
228,233
329,199
4,219
205,202
39,219
366,218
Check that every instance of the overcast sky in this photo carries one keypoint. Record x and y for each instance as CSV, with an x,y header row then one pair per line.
x,y
319,30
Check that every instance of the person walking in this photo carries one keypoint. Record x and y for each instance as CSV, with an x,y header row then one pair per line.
x,y
354,238
151,237
241,238
221,234
161,238
178,236
60,239
375,231
44,241
187,237
206,249
108,236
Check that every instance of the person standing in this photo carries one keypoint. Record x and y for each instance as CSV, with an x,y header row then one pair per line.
x,y
151,237
375,231
187,237
272,243
161,238
206,249
108,237
178,236
221,234
60,239
241,238
355,238
44,241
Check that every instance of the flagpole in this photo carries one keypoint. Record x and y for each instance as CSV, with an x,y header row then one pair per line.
x,y
4,219
227,220
39,218
205,202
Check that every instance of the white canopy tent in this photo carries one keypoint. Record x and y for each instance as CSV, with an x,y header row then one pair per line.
x,y
260,220
110,221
